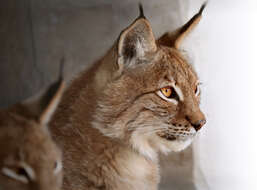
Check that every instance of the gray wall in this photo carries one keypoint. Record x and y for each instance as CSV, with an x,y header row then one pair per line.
x,y
36,34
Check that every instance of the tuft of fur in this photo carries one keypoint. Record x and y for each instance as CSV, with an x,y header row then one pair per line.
x,y
112,124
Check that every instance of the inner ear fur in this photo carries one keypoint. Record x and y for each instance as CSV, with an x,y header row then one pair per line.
x,y
175,38
136,40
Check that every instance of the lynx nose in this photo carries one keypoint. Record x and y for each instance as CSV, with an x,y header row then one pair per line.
x,y
199,124
196,119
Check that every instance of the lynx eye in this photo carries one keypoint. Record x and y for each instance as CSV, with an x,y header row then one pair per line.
x,y
21,173
197,89
57,167
167,91
169,94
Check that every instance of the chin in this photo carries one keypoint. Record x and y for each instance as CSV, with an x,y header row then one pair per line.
x,y
150,146
175,145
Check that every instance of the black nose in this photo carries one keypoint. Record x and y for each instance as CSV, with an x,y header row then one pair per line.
x,y
198,125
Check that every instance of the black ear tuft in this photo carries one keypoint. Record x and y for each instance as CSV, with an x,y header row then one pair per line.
x,y
202,7
43,105
175,38
52,97
141,11
135,41
53,88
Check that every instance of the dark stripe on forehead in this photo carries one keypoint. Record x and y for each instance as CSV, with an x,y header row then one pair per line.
x,y
184,68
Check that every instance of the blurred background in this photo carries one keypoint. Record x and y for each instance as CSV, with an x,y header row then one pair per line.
x,y
36,34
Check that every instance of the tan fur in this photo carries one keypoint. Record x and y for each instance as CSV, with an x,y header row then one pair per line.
x,y
111,123
27,149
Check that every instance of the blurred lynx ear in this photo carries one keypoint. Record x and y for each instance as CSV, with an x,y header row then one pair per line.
x,y
44,104
174,39
50,101
136,40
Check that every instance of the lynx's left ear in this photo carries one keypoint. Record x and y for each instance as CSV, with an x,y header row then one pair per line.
x,y
174,39
43,105
136,40
50,101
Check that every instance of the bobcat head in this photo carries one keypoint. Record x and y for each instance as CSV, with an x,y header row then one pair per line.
x,y
29,159
148,95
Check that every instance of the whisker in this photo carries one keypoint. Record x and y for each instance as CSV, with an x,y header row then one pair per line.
x,y
147,128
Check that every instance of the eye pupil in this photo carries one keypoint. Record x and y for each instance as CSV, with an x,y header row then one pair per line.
x,y
22,171
166,91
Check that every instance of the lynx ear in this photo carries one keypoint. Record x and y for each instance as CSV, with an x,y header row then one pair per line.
x,y
136,40
44,104
50,101
174,39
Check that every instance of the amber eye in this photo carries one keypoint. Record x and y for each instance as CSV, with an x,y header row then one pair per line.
x,y
169,94
167,91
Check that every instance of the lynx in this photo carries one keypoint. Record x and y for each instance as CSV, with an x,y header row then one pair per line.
x,y
139,100
29,159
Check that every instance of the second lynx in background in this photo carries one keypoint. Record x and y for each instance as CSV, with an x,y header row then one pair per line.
x,y
29,159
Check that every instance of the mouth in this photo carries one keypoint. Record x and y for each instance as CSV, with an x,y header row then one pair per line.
x,y
176,141
167,136
173,137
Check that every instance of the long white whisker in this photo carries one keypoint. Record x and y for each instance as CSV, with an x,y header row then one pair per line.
x,y
147,128
147,131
